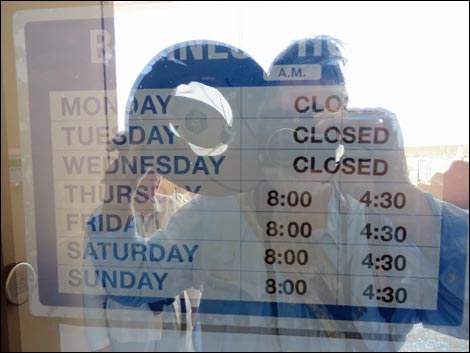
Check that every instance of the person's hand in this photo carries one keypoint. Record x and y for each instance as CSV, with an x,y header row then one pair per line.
x,y
148,186
120,185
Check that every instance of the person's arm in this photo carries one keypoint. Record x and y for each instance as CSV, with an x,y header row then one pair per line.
x,y
451,316
169,278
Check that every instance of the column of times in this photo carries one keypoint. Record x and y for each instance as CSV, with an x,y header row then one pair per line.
x,y
364,237
392,260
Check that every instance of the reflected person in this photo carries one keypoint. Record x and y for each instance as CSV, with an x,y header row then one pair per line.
x,y
163,325
224,240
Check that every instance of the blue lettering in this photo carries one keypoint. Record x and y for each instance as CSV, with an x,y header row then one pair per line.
x,y
155,135
216,163
145,280
129,163
163,103
169,133
104,247
131,278
190,252
160,279
138,249
125,252
90,251
164,165
156,247
175,253
196,189
106,278
144,164
132,135
129,223
109,222
200,165
178,167
95,223
148,105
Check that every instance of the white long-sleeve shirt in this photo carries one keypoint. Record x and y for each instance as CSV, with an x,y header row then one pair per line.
x,y
125,324
207,244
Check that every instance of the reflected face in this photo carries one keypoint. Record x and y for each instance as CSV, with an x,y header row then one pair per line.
x,y
296,133
146,191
